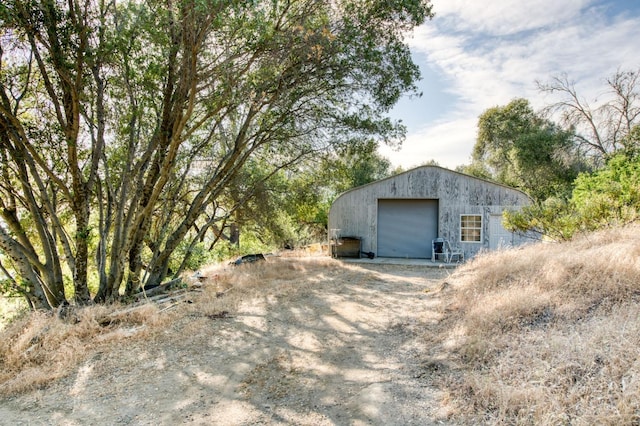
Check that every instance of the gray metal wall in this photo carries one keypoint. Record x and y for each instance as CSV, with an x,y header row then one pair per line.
x,y
355,212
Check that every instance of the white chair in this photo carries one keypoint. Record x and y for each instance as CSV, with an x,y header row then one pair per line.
x,y
451,252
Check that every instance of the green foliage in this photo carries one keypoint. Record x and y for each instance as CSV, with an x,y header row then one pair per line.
x,y
249,244
7,288
355,165
631,142
135,138
195,255
476,169
610,196
277,208
11,307
607,197
290,208
552,219
555,167
517,147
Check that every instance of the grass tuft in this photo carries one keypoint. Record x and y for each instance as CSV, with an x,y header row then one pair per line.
x,y
40,347
546,334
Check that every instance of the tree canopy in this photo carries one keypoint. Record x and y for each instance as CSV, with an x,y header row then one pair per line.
x,y
609,196
603,139
581,173
517,147
124,127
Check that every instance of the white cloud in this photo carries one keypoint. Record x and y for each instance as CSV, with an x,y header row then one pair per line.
x,y
443,142
504,17
491,52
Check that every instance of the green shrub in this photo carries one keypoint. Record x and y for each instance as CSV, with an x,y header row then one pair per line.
x,y
605,198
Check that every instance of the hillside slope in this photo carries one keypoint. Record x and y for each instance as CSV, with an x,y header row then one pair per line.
x,y
545,334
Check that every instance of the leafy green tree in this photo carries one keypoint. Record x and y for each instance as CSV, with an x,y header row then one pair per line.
x,y
124,126
290,211
553,219
608,133
609,196
52,82
517,147
290,208
354,165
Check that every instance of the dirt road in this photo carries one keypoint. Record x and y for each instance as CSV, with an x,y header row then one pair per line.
x,y
345,350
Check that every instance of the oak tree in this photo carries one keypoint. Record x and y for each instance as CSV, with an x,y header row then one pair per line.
x,y
518,147
124,126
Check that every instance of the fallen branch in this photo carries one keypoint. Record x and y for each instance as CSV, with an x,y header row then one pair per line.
x,y
158,298
156,290
171,306
158,295
117,316
171,298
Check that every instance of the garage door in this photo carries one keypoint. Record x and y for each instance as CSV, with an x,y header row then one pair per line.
x,y
406,228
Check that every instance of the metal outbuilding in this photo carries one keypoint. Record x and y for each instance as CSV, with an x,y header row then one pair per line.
x,y
399,216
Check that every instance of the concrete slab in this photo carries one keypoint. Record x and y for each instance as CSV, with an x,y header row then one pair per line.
x,y
399,261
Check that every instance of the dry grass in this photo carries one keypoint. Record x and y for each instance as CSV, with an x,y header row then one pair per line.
x,y
546,334
226,288
40,347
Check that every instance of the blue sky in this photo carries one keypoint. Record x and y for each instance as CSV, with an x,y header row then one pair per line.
x,y
475,55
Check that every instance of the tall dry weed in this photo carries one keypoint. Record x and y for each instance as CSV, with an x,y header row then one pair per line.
x,y
43,346
547,334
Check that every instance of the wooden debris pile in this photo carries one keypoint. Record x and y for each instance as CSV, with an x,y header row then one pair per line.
x,y
171,293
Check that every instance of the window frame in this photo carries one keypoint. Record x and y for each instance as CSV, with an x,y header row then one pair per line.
x,y
471,228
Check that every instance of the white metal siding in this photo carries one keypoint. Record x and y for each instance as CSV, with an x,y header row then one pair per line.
x,y
355,212
498,236
406,228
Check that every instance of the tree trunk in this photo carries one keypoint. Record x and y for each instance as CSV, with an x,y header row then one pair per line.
x,y
234,234
35,291
83,234
135,269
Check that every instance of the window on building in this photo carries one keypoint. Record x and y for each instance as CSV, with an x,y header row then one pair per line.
x,y
471,228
